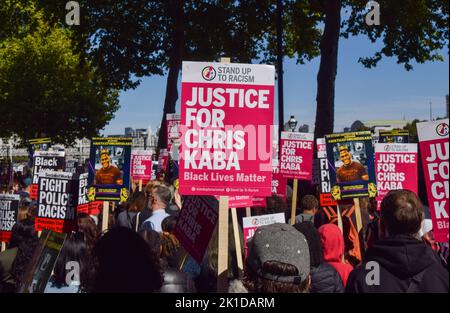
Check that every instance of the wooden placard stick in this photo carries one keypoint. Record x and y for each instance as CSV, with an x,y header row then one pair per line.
x,y
105,215
3,246
339,218
237,242
294,201
222,262
359,224
140,184
248,211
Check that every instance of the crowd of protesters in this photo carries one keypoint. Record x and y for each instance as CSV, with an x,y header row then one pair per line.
x,y
395,250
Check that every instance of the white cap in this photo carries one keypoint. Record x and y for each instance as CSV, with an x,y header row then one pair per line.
x,y
427,225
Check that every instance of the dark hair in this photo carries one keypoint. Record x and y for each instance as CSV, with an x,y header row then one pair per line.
x,y
401,212
22,231
275,204
315,246
309,202
125,263
257,284
86,225
153,240
168,224
137,201
26,240
73,250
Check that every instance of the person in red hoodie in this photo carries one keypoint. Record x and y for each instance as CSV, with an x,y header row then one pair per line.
x,y
333,250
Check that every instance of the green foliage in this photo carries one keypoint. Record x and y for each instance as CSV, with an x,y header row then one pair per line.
x,y
46,89
411,30
412,129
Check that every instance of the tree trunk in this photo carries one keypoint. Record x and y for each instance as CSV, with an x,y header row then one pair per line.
x,y
175,60
328,67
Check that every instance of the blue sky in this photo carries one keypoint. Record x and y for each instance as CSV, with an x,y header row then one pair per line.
x,y
385,92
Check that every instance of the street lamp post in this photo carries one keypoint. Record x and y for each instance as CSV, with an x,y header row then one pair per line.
x,y
145,136
292,123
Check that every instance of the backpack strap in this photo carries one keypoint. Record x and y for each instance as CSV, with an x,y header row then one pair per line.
x,y
415,282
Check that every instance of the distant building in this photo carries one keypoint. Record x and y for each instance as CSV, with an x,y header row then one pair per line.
x,y
386,124
303,128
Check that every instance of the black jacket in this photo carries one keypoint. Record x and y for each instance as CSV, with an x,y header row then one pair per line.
x,y
405,265
176,281
325,279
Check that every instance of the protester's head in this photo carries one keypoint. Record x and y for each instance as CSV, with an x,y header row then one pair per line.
x,y
168,224
22,232
313,238
275,204
125,264
153,239
87,226
161,197
332,242
149,191
213,252
74,250
137,202
25,238
401,213
169,245
345,155
310,204
278,260
24,212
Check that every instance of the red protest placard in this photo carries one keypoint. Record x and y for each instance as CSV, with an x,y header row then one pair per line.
x,y
279,183
226,129
433,143
173,122
196,223
296,155
141,166
396,168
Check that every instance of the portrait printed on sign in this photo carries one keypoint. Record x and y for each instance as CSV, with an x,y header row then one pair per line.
x,y
351,165
109,169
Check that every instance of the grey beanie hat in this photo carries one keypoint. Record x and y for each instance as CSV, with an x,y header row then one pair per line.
x,y
280,243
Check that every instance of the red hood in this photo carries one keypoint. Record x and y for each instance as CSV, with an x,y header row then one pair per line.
x,y
332,243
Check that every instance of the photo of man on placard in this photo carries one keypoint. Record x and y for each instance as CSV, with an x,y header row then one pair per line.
x,y
108,173
350,170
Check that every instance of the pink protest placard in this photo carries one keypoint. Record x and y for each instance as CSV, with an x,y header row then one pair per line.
x,y
226,129
141,165
433,143
296,155
395,167
173,129
196,223
279,183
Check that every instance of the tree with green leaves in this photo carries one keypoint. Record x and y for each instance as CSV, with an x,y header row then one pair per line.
x,y
47,89
410,30
128,40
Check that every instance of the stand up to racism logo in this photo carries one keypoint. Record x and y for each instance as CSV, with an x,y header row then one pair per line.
x,y
209,73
